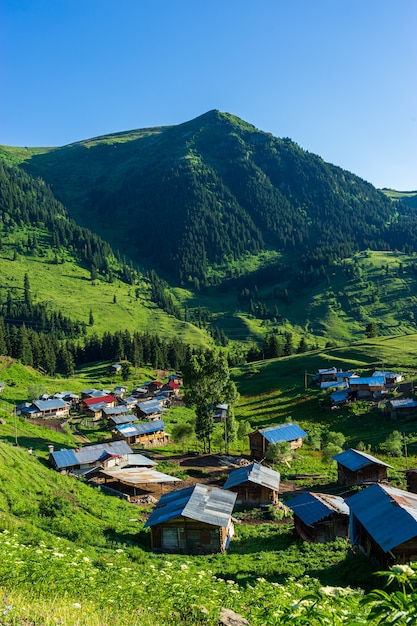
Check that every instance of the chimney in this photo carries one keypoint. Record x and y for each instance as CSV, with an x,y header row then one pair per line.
x,y
51,448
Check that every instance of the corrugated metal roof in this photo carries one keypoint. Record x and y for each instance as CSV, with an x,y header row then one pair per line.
x,y
313,507
372,381
50,405
355,460
116,410
255,473
140,429
138,476
139,460
123,419
108,399
336,384
345,374
403,403
339,396
89,454
199,502
388,514
327,370
282,432
150,406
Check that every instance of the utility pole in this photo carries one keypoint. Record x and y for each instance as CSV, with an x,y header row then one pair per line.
x,y
405,451
15,427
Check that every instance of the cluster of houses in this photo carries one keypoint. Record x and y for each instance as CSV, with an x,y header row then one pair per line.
x,y
345,386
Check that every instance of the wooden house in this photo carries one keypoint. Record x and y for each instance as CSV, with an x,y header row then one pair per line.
x,y
115,368
401,407
150,409
411,475
53,408
356,468
147,435
383,524
80,460
260,439
320,517
105,400
194,520
153,386
135,482
255,485
325,374
171,387
391,378
366,386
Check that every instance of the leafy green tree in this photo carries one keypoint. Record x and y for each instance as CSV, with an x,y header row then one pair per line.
x,y
338,439
125,371
330,450
207,382
393,444
372,330
182,432
278,452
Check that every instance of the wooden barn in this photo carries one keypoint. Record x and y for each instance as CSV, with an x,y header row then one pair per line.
x,y
383,524
401,407
356,468
146,434
260,439
411,475
194,520
255,485
320,517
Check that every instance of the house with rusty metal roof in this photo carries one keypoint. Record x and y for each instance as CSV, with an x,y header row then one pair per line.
x,y
383,524
320,517
196,520
255,485
259,440
355,467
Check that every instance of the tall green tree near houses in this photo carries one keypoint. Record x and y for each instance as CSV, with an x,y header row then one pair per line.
x,y
207,382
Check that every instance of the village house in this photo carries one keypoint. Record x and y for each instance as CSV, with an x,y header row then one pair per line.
x,y
356,468
320,517
195,520
46,409
390,378
153,386
172,388
363,387
150,409
94,405
115,368
135,482
325,374
220,412
147,435
80,460
255,485
259,440
401,407
383,524
411,475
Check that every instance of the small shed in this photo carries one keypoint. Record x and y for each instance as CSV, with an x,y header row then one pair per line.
x,y
255,485
134,482
115,368
355,468
320,517
383,524
326,373
196,520
260,439
147,434
2,386
150,409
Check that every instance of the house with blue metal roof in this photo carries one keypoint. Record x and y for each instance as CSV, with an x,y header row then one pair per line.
x,y
52,408
383,524
355,467
79,460
195,520
367,386
320,517
146,434
254,484
260,439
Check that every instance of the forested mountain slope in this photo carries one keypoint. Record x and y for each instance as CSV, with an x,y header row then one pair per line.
x,y
191,197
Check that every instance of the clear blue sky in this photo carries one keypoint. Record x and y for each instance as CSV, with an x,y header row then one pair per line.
x,y
337,76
